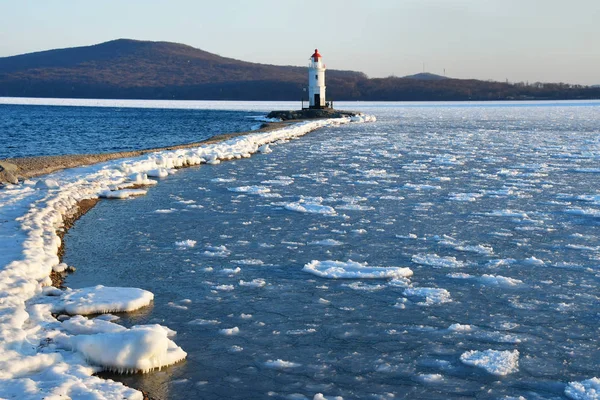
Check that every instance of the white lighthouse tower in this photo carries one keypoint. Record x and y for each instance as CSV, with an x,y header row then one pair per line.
x,y
316,81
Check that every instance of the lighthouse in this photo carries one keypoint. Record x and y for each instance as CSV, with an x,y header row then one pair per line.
x,y
316,81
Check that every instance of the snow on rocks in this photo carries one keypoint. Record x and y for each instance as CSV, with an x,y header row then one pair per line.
x,y
354,270
31,213
495,362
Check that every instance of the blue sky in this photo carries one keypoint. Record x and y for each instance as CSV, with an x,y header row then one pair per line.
x,y
518,40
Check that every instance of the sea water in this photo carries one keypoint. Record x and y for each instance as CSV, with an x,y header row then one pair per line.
x,y
495,209
40,130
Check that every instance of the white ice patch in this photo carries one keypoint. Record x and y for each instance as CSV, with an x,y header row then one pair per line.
x,y
461,328
80,325
421,186
534,261
279,181
217,251
250,189
224,288
186,244
504,262
121,194
230,331
230,271
223,180
501,281
467,197
436,261
310,208
248,261
139,349
495,362
354,270
584,390
508,213
204,322
254,283
479,249
101,299
459,275
157,173
430,378
584,212
364,286
327,242
281,364
431,296
354,207
296,332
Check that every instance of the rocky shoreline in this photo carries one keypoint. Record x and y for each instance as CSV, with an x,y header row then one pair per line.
x,y
13,170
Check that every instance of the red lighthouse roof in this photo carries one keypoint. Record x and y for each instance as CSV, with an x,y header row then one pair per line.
x,y
316,55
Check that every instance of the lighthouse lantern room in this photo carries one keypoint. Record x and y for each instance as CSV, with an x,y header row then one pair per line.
x,y
316,82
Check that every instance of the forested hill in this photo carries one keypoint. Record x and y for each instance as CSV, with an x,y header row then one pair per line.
x,y
161,70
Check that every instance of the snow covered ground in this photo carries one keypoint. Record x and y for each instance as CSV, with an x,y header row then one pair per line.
x,y
44,356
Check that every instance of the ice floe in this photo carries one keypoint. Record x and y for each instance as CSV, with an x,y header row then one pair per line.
x,y
436,261
430,296
139,349
310,208
354,270
188,243
230,331
495,362
327,242
254,283
584,390
497,280
101,299
250,189
281,364
121,194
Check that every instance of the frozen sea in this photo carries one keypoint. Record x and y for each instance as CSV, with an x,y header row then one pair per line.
x,y
262,265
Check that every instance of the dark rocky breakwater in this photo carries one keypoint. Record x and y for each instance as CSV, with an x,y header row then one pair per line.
x,y
310,114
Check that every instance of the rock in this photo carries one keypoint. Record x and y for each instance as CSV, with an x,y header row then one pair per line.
x,y
8,173
310,113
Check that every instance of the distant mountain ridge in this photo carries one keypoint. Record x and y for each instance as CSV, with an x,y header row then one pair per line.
x,y
426,76
126,68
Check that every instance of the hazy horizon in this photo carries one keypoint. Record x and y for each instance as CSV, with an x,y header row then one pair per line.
x,y
527,40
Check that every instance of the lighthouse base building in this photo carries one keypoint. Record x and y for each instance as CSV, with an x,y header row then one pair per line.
x,y
316,82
